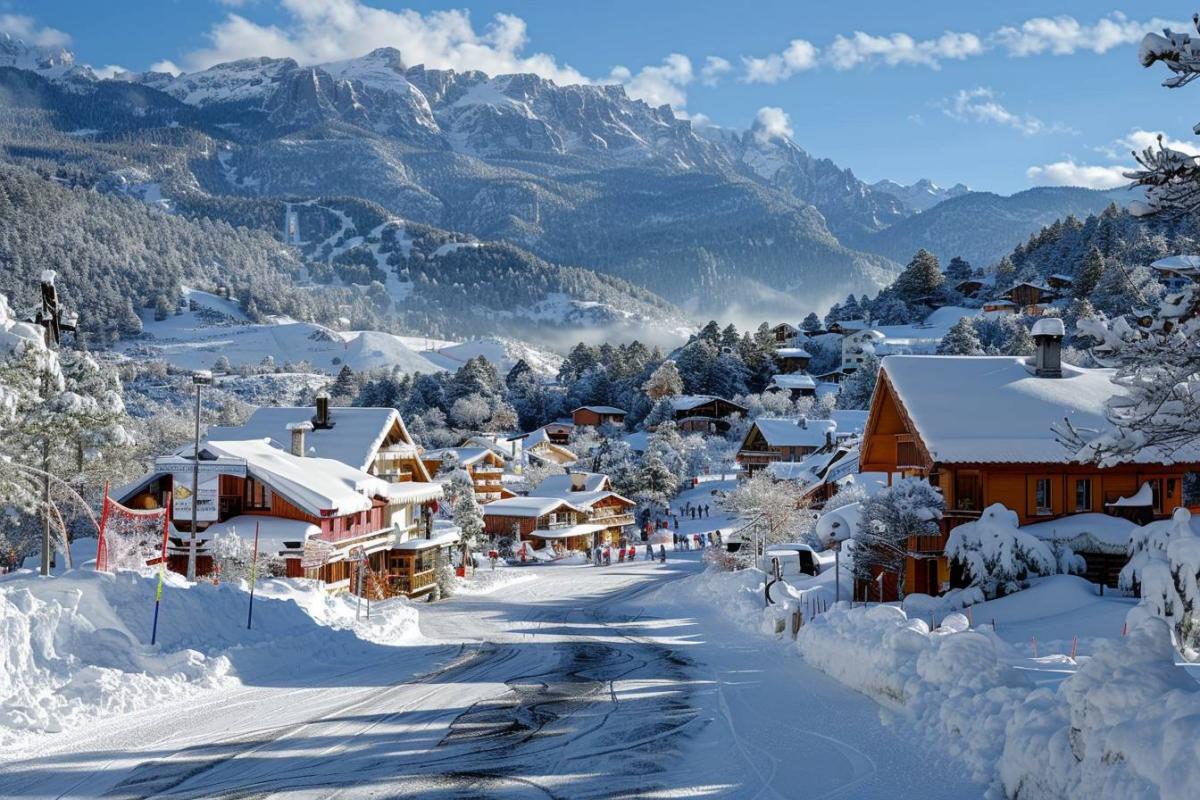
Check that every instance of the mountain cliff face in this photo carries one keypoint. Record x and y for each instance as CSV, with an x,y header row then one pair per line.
x,y
920,196
576,175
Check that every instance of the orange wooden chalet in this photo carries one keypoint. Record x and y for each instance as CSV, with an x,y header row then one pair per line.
x,y
981,429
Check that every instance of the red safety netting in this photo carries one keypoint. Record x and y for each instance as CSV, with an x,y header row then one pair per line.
x,y
131,539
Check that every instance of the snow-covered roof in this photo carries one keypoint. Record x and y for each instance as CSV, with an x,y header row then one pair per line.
x,y
557,484
466,455
686,402
443,536
414,492
1183,264
602,409
1049,326
993,409
1061,276
355,436
582,529
850,421
526,506
791,433
275,534
794,381
319,486
1085,532
792,352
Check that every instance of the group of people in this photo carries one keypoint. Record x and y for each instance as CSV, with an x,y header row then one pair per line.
x,y
602,556
698,541
695,511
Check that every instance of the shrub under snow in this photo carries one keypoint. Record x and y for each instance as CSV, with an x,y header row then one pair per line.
x,y
997,555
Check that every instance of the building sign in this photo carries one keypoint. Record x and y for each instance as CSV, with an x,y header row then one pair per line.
x,y
208,487
316,554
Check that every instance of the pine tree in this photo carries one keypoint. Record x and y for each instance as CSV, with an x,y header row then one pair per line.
x,y
921,278
811,323
665,381
1020,343
1090,272
957,271
468,515
345,386
858,387
961,340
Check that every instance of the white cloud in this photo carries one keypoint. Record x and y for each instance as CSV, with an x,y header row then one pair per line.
x,y
1070,173
980,105
772,122
109,70
318,31
714,67
23,27
1139,140
799,56
166,65
1061,35
900,48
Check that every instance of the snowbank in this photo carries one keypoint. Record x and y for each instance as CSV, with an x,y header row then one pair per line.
x,y
486,580
75,647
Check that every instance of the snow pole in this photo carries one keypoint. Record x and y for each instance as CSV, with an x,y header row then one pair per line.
x,y
101,552
162,570
253,578
1074,646
1033,641
1125,629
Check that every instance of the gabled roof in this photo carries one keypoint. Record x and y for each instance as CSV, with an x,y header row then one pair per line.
x,y
554,485
993,409
790,433
1183,264
527,506
686,402
466,455
356,435
794,381
318,486
601,409
792,352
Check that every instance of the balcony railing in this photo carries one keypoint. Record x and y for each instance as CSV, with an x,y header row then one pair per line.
x,y
410,584
612,519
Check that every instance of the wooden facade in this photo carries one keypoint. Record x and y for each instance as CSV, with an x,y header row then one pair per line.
x,y
597,416
756,452
1037,492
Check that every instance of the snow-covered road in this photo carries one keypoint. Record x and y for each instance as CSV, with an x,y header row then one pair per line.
x,y
581,683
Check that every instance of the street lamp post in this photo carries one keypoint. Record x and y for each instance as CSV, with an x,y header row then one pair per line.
x,y
199,379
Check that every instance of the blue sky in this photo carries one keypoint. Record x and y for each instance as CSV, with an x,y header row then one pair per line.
x,y
1000,96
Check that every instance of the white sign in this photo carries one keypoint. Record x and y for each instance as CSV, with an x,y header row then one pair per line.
x,y
316,553
208,492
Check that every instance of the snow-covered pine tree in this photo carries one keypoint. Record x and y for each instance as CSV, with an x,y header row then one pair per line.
x,y
858,386
811,323
909,507
468,515
921,277
961,340
664,382
1090,272
997,555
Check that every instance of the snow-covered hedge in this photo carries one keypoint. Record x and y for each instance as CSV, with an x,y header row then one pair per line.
x,y
1125,725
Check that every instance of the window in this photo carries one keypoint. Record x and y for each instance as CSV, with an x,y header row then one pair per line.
x,y
257,495
1083,494
1042,494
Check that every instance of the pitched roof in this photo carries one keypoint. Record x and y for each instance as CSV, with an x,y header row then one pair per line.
x,y
526,506
686,402
602,409
355,436
790,433
993,409
795,381
792,352
466,455
553,485
319,486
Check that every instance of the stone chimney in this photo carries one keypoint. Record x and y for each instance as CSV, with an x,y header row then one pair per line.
x,y
1048,334
321,420
578,481
299,429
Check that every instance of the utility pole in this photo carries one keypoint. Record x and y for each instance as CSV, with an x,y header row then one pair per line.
x,y
200,379
54,320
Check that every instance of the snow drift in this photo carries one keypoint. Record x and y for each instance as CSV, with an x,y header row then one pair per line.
x,y
75,647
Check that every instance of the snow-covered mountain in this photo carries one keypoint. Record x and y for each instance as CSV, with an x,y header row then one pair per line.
x,y
919,196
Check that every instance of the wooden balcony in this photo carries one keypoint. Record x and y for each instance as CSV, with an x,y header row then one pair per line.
x,y
417,582
613,520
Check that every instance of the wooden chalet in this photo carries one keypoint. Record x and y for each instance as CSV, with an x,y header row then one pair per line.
x,y
610,514
1001,305
539,448
348,479
783,440
785,332
796,385
1030,296
981,429
539,521
695,413
792,359
484,465
971,287
597,416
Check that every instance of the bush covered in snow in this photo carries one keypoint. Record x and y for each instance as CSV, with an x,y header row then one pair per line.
x,y
909,507
997,555
1164,569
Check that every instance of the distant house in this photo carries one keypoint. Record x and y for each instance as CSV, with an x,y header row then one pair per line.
x,y
540,521
783,440
982,430
327,480
785,332
608,514
796,385
553,432
596,416
857,346
819,473
698,413
485,466
1175,272
1060,282
792,359
971,287
539,448
1030,296
848,326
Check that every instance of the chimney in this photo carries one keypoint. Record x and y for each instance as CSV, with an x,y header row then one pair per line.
x,y
578,481
803,422
322,421
298,430
1048,334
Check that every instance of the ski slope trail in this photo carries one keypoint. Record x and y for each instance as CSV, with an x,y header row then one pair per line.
x,y
578,684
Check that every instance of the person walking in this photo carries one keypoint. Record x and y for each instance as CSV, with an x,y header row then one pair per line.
x,y
675,541
662,554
